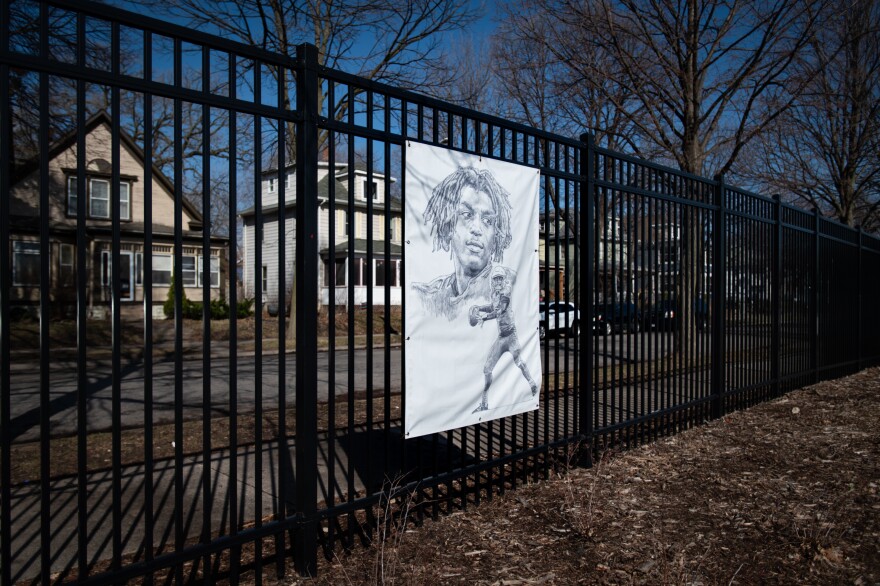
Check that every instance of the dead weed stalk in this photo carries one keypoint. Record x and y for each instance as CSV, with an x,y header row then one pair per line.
x,y
395,504
578,509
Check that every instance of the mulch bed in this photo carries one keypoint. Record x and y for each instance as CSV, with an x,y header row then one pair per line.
x,y
783,493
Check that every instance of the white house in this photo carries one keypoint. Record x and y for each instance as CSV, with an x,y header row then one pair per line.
x,y
337,271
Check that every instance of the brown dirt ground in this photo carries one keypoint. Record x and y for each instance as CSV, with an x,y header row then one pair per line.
x,y
783,493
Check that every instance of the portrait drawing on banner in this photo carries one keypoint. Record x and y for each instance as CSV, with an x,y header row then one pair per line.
x,y
469,215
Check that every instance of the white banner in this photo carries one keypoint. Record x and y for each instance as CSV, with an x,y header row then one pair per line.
x,y
472,347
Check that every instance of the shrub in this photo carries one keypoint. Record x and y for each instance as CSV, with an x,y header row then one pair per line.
x,y
245,308
219,309
168,306
194,309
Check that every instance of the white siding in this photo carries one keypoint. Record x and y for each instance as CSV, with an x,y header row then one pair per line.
x,y
269,245
270,256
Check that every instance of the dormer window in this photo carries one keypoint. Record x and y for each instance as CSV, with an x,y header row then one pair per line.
x,y
98,198
371,190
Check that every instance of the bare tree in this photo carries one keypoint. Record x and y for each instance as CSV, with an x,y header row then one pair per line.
x,y
696,80
395,41
825,149
697,72
545,80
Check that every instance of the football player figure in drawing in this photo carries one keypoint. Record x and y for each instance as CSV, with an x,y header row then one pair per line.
x,y
499,309
469,215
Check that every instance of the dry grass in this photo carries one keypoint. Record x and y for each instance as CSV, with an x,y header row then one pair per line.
x,y
25,333
783,493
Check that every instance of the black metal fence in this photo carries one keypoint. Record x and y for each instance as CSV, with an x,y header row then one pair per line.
x,y
148,171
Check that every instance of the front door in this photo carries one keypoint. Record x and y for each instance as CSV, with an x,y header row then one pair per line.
x,y
126,276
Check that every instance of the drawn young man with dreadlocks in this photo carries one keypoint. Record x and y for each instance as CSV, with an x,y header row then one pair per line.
x,y
469,215
499,309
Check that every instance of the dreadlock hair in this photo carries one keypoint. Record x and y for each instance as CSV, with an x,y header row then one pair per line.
x,y
441,209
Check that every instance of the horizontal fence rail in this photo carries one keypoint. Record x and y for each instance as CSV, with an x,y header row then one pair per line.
x,y
202,326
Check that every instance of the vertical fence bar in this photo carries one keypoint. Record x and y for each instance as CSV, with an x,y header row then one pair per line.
x,y
585,301
45,407
116,309
149,504
81,315
305,547
718,306
207,505
814,301
859,297
331,321
177,265
259,293
776,292
351,232
283,467
5,283
235,555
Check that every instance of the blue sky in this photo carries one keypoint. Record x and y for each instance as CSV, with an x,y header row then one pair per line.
x,y
480,30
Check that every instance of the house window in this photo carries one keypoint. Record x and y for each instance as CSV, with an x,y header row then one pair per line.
x,y
139,268
342,223
105,267
99,198
65,262
161,269
287,182
265,278
71,196
25,263
360,272
271,185
188,268
371,190
124,201
340,272
390,270
192,268
215,271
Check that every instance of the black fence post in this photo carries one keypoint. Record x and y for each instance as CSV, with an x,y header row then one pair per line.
x,y
814,341
585,301
776,350
306,283
719,254
860,284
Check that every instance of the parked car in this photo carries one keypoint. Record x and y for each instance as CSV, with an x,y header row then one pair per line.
x,y
616,317
557,317
666,315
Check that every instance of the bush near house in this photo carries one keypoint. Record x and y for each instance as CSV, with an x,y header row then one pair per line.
x,y
195,310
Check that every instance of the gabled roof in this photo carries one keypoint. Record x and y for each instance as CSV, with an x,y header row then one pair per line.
x,y
340,197
69,139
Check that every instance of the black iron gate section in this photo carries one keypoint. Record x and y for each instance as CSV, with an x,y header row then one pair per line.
x,y
201,303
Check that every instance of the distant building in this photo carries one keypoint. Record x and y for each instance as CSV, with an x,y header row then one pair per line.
x,y
64,202
344,262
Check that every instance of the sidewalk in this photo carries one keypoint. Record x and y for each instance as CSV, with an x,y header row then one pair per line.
x,y
252,496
